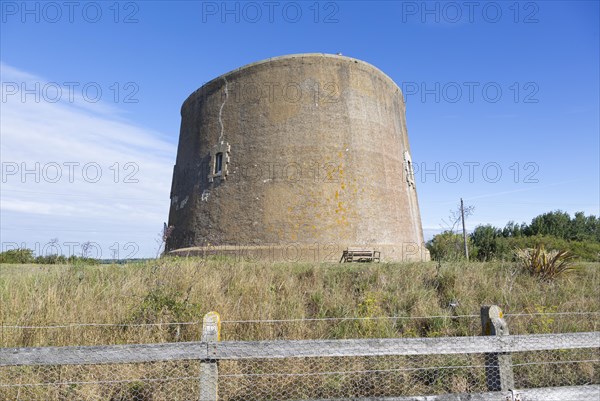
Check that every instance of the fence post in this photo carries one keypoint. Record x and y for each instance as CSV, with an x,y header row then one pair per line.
x,y
498,365
209,369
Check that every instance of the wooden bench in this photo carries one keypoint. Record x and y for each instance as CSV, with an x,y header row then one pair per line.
x,y
360,255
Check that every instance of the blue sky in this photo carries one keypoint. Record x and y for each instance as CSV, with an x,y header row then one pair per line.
x,y
491,88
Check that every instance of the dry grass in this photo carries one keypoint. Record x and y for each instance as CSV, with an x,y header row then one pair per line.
x,y
183,290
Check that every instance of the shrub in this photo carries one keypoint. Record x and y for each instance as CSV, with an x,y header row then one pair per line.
x,y
17,256
160,305
447,246
51,260
583,250
24,255
485,238
547,265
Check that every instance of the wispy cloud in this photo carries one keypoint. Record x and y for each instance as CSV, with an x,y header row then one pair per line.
x,y
74,166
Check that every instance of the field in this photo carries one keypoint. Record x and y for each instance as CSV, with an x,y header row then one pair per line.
x,y
165,300
438,300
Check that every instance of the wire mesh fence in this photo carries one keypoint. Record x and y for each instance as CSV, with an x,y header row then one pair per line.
x,y
396,376
543,366
31,335
305,378
112,382
65,334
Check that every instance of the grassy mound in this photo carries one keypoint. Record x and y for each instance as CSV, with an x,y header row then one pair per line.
x,y
171,290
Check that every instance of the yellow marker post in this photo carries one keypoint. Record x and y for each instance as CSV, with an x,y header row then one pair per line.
x,y
499,373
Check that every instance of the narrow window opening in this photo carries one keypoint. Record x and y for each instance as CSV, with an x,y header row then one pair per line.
x,y
408,170
218,163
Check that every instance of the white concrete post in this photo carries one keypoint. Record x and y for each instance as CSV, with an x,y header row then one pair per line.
x,y
209,369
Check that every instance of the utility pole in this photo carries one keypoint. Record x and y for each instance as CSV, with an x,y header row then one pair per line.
x,y
462,214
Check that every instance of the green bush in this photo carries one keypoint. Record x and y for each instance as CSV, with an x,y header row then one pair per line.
x,y
24,255
485,238
447,246
51,260
17,256
556,230
582,250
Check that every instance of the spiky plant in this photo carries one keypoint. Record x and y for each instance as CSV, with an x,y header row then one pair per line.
x,y
547,265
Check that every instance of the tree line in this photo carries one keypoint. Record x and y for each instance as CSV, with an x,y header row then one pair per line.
x,y
24,255
579,235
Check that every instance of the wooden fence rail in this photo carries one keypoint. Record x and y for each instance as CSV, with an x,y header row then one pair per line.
x,y
566,393
496,344
232,350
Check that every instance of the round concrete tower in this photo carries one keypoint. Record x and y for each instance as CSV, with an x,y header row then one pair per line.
x,y
296,158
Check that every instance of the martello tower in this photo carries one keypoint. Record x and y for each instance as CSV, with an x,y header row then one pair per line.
x,y
296,157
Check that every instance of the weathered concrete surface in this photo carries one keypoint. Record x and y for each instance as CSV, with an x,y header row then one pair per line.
x,y
317,148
